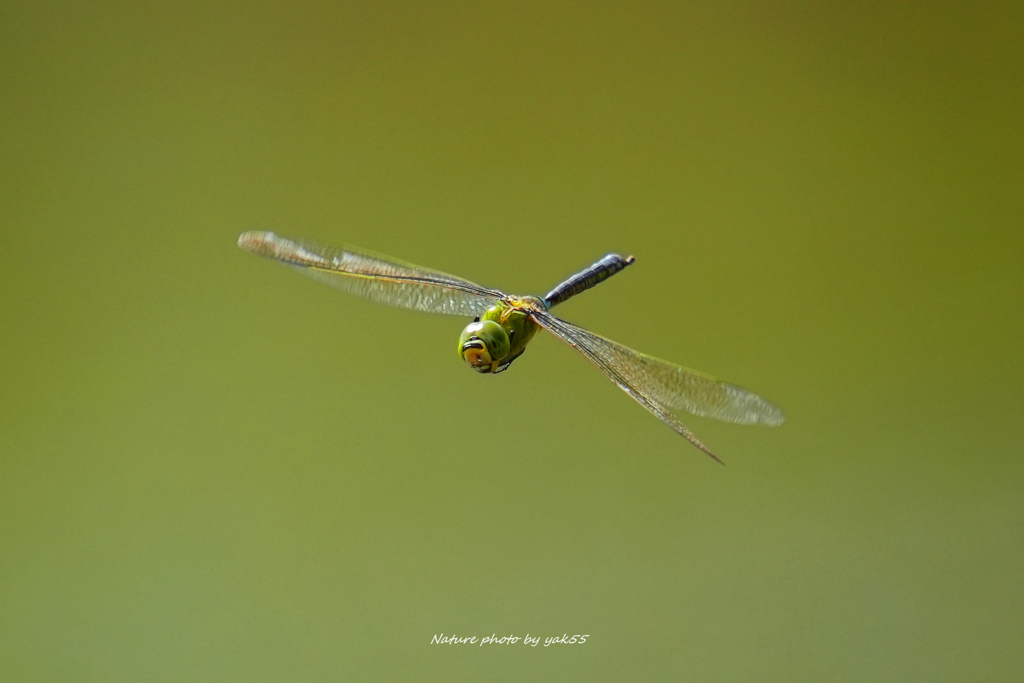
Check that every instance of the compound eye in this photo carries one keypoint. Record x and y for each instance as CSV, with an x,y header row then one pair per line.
x,y
483,344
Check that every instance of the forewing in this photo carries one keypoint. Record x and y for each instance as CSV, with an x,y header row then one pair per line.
x,y
567,332
378,278
669,384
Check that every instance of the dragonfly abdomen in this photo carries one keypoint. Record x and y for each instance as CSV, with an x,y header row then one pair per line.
x,y
584,280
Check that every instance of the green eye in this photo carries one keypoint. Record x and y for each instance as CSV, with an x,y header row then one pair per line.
x,y
483,345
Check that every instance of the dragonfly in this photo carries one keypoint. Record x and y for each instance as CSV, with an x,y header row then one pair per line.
x,y
503,325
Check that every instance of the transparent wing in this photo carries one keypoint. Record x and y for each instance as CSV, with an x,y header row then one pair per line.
x,y
661,386
378,278
671,385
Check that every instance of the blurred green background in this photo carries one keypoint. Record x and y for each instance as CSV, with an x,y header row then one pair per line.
x,y
214,469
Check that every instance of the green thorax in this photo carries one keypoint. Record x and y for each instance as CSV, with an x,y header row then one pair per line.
x,y
490,343
518,325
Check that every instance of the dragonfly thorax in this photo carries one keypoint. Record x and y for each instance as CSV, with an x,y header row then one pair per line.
x,y
490,343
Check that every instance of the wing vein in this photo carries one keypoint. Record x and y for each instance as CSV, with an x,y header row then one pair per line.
x,y
584,344
378,278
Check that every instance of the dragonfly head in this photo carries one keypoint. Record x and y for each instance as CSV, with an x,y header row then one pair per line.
x,y
484,344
